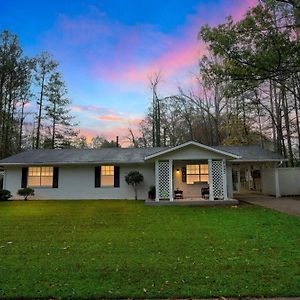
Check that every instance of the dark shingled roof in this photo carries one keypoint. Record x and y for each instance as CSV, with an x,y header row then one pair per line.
x,y
251,153
122,155
77,156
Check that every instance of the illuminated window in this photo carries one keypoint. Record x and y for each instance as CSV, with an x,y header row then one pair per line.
x,y
197,173
40,176
107,175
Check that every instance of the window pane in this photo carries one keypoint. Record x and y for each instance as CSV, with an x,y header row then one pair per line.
x,y
190,179
34,181
107,170
192,169
46,181
107,180
47,171
204,169
204,178
34,171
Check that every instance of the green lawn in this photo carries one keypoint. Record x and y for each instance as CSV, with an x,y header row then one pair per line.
x,y
120,249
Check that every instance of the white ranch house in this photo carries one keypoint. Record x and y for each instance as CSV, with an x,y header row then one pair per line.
x,y
190,168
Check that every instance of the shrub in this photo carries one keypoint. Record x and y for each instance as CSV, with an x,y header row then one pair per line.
x,y
134,178
5,195
26,192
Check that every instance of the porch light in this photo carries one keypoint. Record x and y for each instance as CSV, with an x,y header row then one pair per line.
x,y
177,171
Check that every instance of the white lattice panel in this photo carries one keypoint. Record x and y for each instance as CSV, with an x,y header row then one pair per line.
x,y
164,180
218,169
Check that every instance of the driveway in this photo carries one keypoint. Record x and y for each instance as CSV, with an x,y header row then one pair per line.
x,y
284,204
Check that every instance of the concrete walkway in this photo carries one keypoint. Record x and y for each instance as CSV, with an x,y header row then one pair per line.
x,y
290,205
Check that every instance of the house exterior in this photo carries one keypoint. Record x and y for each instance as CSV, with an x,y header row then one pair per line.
x,y
100,173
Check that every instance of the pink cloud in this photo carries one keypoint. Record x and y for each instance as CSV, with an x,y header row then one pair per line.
x,y
91,108
120,119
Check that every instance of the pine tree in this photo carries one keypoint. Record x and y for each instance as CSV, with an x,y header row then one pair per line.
x,y
57,113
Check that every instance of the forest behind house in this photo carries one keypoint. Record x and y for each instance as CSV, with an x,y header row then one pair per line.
x,y
247,91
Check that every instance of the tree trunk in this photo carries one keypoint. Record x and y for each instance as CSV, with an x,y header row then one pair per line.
x,y
39,118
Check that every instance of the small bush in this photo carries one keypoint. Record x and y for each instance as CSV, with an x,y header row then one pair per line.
x,y
26,192
5,195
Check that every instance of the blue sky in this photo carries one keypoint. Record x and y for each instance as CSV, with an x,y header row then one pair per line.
x,y
108,49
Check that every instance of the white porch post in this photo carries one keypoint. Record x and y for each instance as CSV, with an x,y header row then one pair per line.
x,y
171,179
211,190
225,180
239,179
156,181
277,187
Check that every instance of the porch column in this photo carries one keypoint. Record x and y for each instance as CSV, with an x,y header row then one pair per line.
x,y
225,180
171,179
239,179
211,182
277,187
156,181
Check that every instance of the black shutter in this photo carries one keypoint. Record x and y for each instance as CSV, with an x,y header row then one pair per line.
x,y
117,176
183,174
24,177
55,178
97,177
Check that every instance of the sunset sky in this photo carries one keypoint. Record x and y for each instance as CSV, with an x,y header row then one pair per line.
x,y
107,49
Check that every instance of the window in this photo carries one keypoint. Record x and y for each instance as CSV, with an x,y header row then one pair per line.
x,y
40,176
107,175
197,173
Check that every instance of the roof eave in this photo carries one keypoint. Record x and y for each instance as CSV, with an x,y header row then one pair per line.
x,y
195,144
259,160
68,163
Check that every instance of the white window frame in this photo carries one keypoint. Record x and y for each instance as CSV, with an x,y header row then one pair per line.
x,y
109,172
40,172
199,173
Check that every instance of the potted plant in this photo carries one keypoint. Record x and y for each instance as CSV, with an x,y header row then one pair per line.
x,y
151,193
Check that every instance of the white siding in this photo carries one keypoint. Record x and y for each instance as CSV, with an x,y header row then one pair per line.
x,y
77,182
191,152
268,181
289,181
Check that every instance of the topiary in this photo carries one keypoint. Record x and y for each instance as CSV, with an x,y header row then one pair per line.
x,y
134,178
26,192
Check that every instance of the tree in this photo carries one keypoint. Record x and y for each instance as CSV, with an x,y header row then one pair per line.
x,y
134,178
58,114
101,142
44,68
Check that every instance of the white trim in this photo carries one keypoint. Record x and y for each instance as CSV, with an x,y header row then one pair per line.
x,y
211,182
258,160
225,180
171,180
277,187
156,181
191,143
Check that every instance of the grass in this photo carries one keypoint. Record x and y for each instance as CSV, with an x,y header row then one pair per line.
x,y
121,249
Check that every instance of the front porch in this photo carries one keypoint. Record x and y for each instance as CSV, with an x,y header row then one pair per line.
x,y
198,181
192,202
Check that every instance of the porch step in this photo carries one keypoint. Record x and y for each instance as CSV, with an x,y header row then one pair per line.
x,y
192,202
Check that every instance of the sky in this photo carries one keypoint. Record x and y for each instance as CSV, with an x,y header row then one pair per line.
x,y
108,49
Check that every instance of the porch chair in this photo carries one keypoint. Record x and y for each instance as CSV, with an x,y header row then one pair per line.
x,y
178,194
205,192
